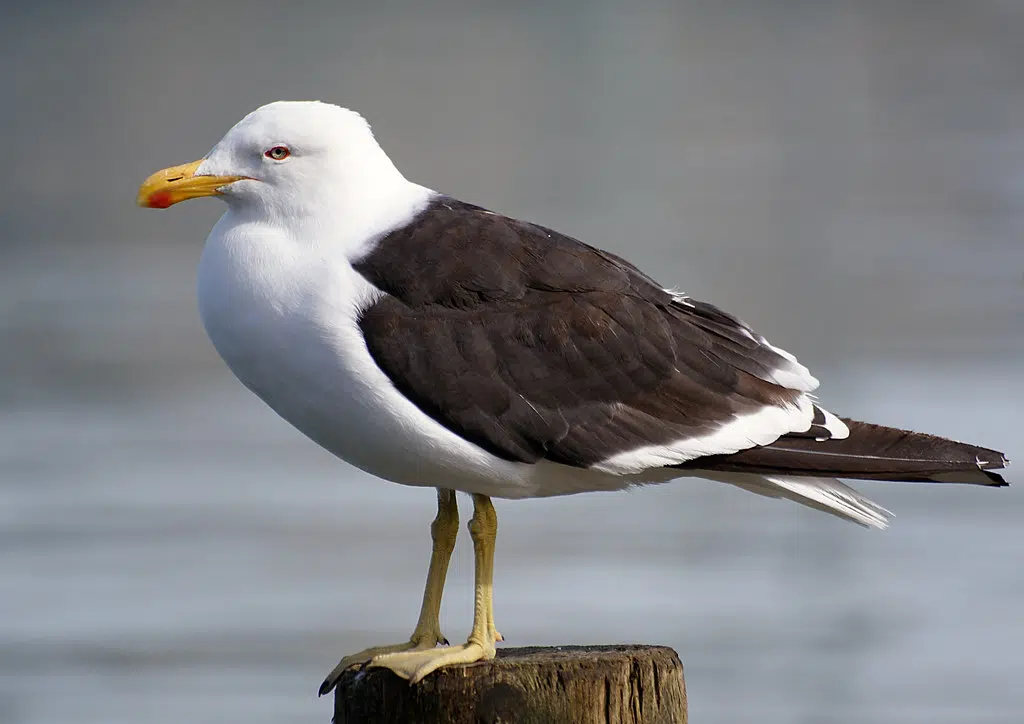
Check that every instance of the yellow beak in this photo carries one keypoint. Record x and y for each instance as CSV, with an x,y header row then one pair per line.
x,y
180,183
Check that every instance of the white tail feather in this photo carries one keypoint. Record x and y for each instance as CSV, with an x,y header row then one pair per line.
x,y
826,494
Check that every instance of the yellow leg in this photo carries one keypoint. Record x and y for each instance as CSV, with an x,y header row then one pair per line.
x,y
414,665
427,633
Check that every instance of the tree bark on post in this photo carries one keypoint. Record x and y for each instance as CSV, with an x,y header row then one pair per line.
x,y
560,685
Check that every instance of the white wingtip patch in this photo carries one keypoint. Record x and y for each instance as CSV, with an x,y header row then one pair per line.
x,y
837,429
792,375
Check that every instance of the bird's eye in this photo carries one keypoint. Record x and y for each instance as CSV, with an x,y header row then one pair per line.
x,y
278,153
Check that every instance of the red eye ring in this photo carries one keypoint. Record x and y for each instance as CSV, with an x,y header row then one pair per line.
x,y
277,153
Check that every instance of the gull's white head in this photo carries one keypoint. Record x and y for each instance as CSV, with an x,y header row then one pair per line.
x,y
286,159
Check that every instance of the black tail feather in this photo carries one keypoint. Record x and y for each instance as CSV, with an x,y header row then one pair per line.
x,y
871,452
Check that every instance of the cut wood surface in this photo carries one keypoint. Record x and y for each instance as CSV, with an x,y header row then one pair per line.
x,y
556,685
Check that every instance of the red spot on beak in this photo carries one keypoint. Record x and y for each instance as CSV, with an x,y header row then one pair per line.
x,y
159,200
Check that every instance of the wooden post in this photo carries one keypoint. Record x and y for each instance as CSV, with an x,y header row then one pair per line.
x,y
561,685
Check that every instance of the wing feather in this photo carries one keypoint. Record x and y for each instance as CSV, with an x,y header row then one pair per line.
x,y
534,345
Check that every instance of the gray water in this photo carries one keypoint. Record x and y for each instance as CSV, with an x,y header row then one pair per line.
x,y
847,177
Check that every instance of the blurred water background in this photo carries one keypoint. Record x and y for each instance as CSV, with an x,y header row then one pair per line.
x,y
846,176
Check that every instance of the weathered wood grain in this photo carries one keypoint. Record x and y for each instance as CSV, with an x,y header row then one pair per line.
x,y
561,685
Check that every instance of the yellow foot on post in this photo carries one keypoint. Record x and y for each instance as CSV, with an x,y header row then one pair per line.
x,y
416,644
414,665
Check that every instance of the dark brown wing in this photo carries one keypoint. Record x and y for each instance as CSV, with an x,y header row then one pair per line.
x,y
536,346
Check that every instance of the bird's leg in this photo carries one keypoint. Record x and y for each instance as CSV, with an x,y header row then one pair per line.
x,y
443,532
427,633
414,665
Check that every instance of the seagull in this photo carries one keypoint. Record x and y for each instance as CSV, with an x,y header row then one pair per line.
x,y
431,342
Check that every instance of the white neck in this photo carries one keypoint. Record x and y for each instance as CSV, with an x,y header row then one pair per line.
x,y
347,217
